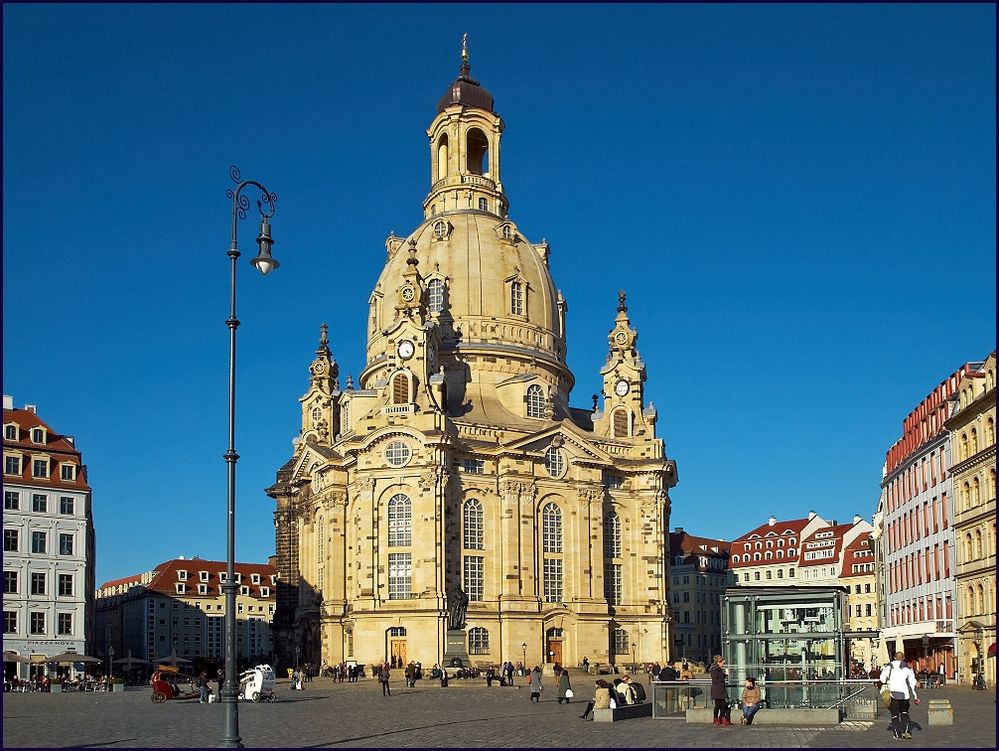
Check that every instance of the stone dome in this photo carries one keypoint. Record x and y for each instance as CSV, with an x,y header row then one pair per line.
x,y
478,257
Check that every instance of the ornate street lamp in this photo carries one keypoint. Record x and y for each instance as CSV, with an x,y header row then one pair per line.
x,y
264,263
523,648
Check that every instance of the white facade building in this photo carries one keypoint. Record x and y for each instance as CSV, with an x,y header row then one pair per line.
x,y
48,541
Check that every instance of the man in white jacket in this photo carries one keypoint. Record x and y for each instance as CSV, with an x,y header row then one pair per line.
x,y
901,682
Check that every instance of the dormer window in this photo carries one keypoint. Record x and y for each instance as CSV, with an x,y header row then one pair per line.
x,y
203,575
67,472
507,232
37,435
182,575
245,591
10,432
265,592
40,467
180,588
202,589
255,578
535,401
441,229
435,295
517,298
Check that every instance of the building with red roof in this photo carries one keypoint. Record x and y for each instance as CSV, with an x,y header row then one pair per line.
x,y
178,608
699,575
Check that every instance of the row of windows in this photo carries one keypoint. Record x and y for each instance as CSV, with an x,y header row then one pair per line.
x,y
11,432
974,600
204,589
969,440
40,468
37,623
205,576
769,575
39,583
39,503
921,610
971,492
39,542
758,545
767,556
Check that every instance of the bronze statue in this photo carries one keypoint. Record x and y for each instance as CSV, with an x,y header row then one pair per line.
x,y
457,604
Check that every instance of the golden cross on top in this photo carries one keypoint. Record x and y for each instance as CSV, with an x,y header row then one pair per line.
x,y
464,47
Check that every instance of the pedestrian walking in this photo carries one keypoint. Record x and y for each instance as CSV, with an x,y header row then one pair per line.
x,y
564,689
718,692
535,684
901,682
201,683
383,678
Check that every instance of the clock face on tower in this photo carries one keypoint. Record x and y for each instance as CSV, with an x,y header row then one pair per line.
x,y
621,387
405,349
621,337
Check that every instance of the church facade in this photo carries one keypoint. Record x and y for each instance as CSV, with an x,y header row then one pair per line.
x,y
456,469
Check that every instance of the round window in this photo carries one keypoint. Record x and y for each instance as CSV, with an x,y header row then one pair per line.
x,y
555,462
397,454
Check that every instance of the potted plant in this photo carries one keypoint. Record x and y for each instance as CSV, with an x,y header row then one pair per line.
x,y
117,684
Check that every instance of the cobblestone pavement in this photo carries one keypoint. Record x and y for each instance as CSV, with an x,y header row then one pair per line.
x,y
466,714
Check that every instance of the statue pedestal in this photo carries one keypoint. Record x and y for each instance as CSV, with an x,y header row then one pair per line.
x,y
454,646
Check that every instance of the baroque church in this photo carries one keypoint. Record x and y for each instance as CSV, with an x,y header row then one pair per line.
x,y
452,502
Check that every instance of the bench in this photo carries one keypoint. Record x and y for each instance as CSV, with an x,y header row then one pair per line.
x,y
625,712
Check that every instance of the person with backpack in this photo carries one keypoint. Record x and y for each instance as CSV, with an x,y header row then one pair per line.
x,y
638,694
901,682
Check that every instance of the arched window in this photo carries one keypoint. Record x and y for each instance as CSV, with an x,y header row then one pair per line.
x,y
780,573
535,401
397,631
981,599
735,559
969,548
966,495
442,157
964,445
400,388
990,488
780,553
472,517
400,521
756,556
435,295
768,555
517,298
478,641
971,600
990,432
507,232
792,553
974,441
612,535
621,420
478,152
979,553
551,517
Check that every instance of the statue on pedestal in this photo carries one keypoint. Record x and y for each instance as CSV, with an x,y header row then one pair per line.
x,y
457,604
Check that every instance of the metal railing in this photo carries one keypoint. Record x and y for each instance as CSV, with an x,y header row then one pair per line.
x,y
856,699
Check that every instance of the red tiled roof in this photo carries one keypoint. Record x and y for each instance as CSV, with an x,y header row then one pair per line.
x,y
166,576
794,526
683,543
56,445
837,538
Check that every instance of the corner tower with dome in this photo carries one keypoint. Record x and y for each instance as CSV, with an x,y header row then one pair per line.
x,y
456,470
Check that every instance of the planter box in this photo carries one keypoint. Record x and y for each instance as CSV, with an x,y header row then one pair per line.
x,y
117,686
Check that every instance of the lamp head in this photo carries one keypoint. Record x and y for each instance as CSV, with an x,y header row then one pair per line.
x,y
264,262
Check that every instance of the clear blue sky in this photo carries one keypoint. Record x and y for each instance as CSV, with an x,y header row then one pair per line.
x,y
799,200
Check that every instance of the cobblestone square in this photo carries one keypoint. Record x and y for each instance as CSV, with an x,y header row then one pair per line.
x,y
466,714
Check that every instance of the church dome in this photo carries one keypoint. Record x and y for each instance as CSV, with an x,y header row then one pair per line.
x,y
487,285
466,91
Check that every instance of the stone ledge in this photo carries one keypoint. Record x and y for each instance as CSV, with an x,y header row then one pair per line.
x,y
627,712
796,717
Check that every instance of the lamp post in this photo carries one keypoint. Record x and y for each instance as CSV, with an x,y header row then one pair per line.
x,y
523,648
110,660
264,263
926,650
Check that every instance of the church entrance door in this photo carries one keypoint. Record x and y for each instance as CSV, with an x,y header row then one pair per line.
x,y
555,650
397,650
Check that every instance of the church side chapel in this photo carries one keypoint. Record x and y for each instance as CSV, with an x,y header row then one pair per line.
x,y
452,503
